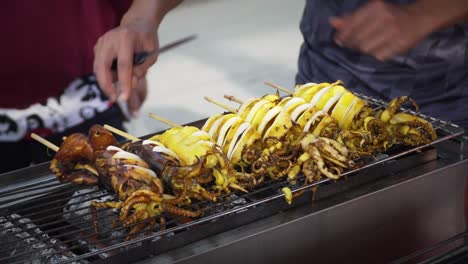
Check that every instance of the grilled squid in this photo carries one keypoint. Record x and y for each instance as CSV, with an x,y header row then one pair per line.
x,y
69,161
324,156
195,148
253,145
406,128
280,123
139,190
238,139
362,129
184,181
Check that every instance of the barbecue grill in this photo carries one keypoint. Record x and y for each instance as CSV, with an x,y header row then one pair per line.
x,y
405,206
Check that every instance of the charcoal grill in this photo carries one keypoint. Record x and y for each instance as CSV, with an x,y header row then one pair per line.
x,y
405,206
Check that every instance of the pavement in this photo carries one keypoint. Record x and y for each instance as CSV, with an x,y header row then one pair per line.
x,y
239,45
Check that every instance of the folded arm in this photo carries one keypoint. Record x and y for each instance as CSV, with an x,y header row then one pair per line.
x,y
382,29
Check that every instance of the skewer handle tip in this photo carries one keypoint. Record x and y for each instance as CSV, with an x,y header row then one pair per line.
x,y
55,148
45,142
121,133
164,120
224,106
281,88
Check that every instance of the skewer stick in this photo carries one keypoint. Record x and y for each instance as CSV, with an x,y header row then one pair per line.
x,y
45,142
233,98
281,88
56,148
121,133
224,106
164,120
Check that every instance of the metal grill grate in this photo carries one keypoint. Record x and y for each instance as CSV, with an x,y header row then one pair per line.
x,y
56,225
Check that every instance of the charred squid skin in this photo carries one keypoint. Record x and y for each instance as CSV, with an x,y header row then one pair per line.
x,y
185,180
332,154
412,130
318,149
139,188
157,160
182,198
174,174
281,169
315,154
380,138
310,170
171,171
356,143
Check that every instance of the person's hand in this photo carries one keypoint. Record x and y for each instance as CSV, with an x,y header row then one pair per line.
x,y
137,98
380,29
122,43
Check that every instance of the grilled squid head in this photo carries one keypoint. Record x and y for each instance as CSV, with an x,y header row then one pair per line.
x,y
124,172
68,163
100,138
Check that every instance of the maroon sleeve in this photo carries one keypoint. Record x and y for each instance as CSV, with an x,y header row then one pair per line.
x,y
47,44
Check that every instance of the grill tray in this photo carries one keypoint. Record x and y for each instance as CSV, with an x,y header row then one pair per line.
x,y
74,243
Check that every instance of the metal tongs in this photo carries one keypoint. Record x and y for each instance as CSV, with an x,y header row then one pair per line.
x,y
140,57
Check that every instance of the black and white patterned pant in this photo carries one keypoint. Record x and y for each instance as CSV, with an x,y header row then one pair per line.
x,y
81,105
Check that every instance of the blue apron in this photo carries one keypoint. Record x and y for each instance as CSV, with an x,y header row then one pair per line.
x,y
434,73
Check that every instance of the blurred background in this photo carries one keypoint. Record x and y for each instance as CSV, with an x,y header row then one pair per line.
x,y
239,45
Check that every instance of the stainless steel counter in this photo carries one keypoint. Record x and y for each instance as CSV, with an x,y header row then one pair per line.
x,y
411,208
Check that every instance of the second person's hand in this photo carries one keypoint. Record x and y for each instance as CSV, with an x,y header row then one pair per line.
x,y
381,29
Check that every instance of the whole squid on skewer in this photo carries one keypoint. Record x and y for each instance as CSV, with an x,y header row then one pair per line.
x,y
184,181
277,116
261,142
315,156
139,190
382,129
193,147
310,118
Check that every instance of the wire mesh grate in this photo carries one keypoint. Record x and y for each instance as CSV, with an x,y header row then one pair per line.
x,y
57,226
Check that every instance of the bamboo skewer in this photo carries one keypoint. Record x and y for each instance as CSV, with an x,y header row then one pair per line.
x,y
56,148
45,142
233,98
281,88
121,133
164,120
224,106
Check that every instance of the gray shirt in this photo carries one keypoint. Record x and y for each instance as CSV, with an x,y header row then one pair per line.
x,y
434,73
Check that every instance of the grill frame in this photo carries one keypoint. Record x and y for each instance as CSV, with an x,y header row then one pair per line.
x,y
446,131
